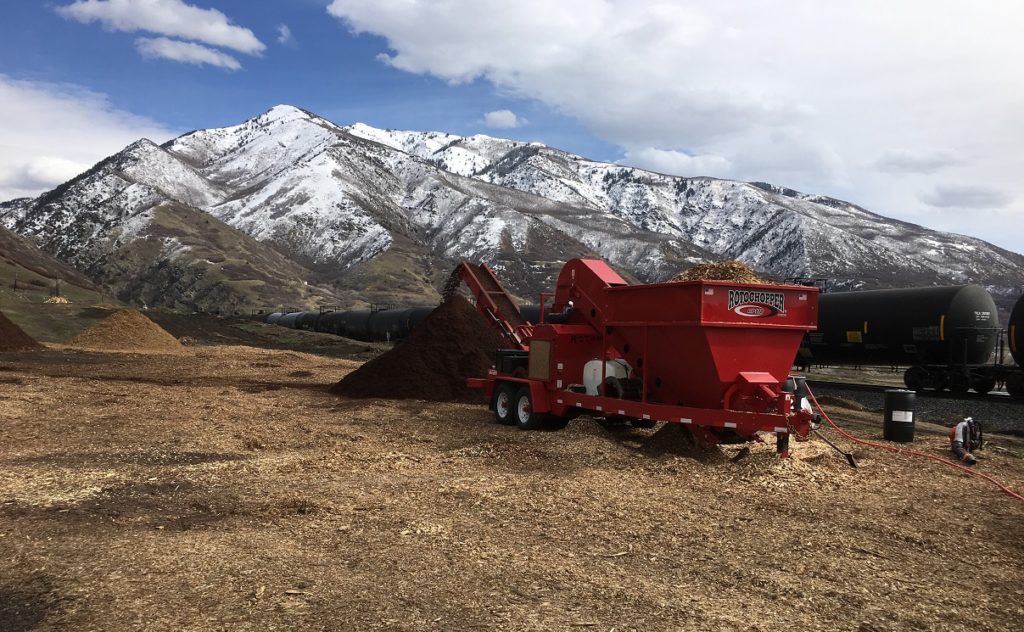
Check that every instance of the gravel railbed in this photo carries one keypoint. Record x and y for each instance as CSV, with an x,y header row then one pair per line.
x,y
995,416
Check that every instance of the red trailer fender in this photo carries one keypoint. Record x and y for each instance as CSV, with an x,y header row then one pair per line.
x,y
539,397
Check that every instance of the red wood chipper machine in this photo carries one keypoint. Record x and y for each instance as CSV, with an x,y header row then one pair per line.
x,y
714,355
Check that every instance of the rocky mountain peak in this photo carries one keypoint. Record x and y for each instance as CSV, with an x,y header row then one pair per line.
x,y
366,214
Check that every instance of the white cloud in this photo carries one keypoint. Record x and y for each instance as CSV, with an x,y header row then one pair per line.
x,y
678,162
846,99
966,196
50,133
186,52
284,34
173,18
39,172
906,161
503,119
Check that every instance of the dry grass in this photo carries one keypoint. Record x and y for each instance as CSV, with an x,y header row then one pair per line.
x,y
223,489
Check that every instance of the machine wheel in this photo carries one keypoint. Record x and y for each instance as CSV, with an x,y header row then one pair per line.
x,y
557,423
504,404
983,384
915,378
524,415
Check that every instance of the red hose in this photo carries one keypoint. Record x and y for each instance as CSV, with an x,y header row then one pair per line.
x,y
896,450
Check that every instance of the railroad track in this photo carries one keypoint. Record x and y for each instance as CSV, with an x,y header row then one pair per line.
x,y
996,396
997,412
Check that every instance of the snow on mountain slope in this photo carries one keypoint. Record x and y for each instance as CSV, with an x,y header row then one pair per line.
x,y
354,202
776,230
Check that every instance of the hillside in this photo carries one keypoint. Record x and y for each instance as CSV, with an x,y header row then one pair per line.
x,y
289,208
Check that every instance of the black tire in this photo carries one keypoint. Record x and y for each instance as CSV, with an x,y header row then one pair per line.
x,y
983,384
523,412
557,423
504,404
1015,385
915,378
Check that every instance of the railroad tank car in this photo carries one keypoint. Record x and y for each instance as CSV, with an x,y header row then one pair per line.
x,y
349,324
946,334
417,315
531,314
308,321
289,320
389,324
1015,332
1014,376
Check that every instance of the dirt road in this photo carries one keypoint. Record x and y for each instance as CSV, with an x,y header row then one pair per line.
x,y
224,489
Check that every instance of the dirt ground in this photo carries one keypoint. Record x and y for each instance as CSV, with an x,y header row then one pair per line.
x,y
224,489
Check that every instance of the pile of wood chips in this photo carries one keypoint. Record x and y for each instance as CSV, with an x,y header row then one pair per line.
x,y
127,330
57,300
12,338
720,271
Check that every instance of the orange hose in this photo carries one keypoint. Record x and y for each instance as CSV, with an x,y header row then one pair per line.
x,y
897,450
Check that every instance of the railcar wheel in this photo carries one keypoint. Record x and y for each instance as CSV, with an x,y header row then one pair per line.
x,y
1015,385
915,378
504,404
525,417
984,384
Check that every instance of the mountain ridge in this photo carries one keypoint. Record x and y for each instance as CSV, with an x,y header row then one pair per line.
x,y
393,209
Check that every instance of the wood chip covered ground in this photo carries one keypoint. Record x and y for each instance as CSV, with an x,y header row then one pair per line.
x,y
223,488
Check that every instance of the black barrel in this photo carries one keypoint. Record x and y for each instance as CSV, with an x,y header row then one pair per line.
x,y
274,318
898,424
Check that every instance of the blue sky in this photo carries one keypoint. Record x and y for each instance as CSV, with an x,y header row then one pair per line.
x,y
324,67
910,109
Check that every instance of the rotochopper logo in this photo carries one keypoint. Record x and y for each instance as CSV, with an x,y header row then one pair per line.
x,y
756,304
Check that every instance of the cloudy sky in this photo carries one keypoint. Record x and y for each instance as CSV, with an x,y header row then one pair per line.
x,y
912,109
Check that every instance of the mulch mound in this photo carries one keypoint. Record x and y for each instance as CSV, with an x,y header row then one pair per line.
x,y
720,271
12,338
453,343
126,330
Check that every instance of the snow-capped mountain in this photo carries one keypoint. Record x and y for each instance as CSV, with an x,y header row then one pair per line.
x,y
359,213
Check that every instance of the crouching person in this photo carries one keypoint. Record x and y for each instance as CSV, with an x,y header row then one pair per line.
x,y
964,439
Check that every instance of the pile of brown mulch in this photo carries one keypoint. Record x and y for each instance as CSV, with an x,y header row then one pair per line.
x,y
12,338
720,271
453,343
126,330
